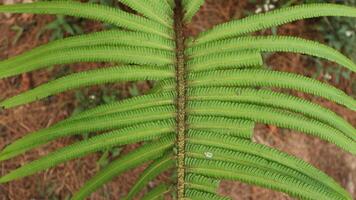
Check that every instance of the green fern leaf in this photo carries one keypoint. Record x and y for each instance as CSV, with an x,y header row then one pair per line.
x,y
266,78
171,3
263,156
91,54
191,7
135,103
271,44
200,195
95,144
277,117
236,157
103,123
157,193
143,154
200,116
235,127
273,18
91,11
152,11
202,183
273,99
88,78
154,169
252,175
103,38
233,60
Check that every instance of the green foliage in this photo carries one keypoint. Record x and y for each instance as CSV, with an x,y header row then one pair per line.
x,y
271,19
156,168
339,33
86,100
198,120
19,31
104,2
60,27
190,8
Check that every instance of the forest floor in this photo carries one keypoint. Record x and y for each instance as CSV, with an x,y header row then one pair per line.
x,y
19,33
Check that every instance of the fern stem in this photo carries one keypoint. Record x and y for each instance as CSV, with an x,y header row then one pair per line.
x,y
181,97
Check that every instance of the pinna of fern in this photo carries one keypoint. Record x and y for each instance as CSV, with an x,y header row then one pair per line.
x,y
198,121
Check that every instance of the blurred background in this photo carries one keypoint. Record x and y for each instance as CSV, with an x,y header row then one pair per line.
x,y
21,32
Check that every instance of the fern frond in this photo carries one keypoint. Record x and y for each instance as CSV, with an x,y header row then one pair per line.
x,y
273,18
202,183
273,99
143,154
171,3
264,114
89,78
199,118
201,195
153,170
135,103
167,85
260,156
157,193
102,38
151,10
255,176
102,123
165,6
191,7
267,78
229,60
91,11
98,143
272,44
234,127
122,54
237,157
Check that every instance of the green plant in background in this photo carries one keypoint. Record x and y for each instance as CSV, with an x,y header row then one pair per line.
x,y
86,100
198,120
104,2
60,27
19,31
339,33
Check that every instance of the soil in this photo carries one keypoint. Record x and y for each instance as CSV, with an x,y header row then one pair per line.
x,y
63,180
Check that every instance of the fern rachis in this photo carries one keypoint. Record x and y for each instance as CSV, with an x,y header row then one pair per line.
x,y
198,121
